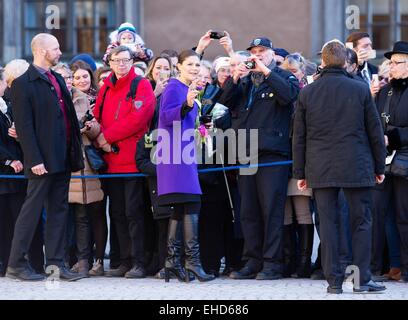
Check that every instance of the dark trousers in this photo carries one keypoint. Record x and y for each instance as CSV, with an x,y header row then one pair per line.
x,y
90,224
382,204
400,188
10,205
215,226
360,204
127,214
50,192
263,198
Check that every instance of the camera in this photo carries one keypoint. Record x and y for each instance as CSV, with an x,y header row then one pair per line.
x,y
217,35
249,64
87,117
115,148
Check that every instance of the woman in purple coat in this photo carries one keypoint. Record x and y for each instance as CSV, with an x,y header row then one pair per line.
x,y
177,175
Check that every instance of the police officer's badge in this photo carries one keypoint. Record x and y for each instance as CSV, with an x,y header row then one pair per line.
x,y
257,42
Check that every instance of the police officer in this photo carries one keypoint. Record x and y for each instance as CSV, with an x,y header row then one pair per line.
x,y
265,102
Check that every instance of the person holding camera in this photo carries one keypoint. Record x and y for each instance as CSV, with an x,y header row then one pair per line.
x,y
363,46
86,195
124,117
265,100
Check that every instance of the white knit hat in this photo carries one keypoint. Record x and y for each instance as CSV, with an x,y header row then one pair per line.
x,y
221,62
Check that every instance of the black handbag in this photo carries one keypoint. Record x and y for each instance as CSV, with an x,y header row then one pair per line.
x,y
399,165
95,158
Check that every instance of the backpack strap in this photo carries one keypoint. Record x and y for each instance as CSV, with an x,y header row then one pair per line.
x,y
133,88
103,100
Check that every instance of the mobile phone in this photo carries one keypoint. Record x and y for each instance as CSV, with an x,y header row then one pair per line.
x,y
349,45
372,54
217,35
310,79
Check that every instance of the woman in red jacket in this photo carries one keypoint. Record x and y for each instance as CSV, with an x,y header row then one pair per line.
x,y
124,120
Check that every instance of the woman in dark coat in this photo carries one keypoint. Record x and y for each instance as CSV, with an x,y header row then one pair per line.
x,y
395,95
177,174
12,191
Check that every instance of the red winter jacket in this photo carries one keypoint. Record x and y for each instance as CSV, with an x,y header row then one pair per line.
x,y
123,122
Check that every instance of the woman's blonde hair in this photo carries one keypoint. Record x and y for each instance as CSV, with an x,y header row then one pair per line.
x,y
14,69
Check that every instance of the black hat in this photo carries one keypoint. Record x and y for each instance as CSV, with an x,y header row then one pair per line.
x,y
399,47
262,42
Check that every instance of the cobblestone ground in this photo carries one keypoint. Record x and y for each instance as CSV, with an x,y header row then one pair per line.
x,y
219,289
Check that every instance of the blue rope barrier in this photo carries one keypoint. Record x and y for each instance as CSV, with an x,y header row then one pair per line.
x,y
137,175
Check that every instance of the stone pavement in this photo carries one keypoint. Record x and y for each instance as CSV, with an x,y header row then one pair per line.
x,y
219,289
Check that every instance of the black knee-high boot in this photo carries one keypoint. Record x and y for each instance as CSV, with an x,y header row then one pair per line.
x,y
306,233
192,248
173,263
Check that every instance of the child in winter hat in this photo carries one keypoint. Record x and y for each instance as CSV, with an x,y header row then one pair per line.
x,y
126,35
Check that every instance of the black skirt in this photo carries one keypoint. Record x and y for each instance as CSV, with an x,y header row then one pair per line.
x,y
171,199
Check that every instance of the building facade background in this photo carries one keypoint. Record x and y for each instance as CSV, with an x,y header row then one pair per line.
x,y
297,25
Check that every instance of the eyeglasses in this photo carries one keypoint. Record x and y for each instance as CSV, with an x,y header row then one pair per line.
x,y
118,61
397,62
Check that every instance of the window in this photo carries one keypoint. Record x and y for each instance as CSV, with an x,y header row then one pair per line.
x,y
375,19
385,20
84,25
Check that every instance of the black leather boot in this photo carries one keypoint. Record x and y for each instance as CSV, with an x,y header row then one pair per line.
x,y
192,248
173,265
289,250
306,233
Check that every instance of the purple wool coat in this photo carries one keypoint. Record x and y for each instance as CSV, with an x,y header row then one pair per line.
x,y
176,175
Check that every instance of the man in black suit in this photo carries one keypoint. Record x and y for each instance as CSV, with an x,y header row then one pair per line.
x,y
338,144
363,46
49,134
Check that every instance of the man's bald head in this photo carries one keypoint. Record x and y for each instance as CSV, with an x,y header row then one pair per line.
x,y
42,41
46,50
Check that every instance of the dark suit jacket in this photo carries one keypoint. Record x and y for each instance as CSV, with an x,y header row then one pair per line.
x,y
9,150
40,124
372,69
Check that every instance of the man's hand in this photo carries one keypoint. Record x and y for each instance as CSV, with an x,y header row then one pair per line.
x,y
204,42
240,71
107,147
226,42
362,56
259,66
380,178
12,132
302,185
100,140
386,141
17,166
39,170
